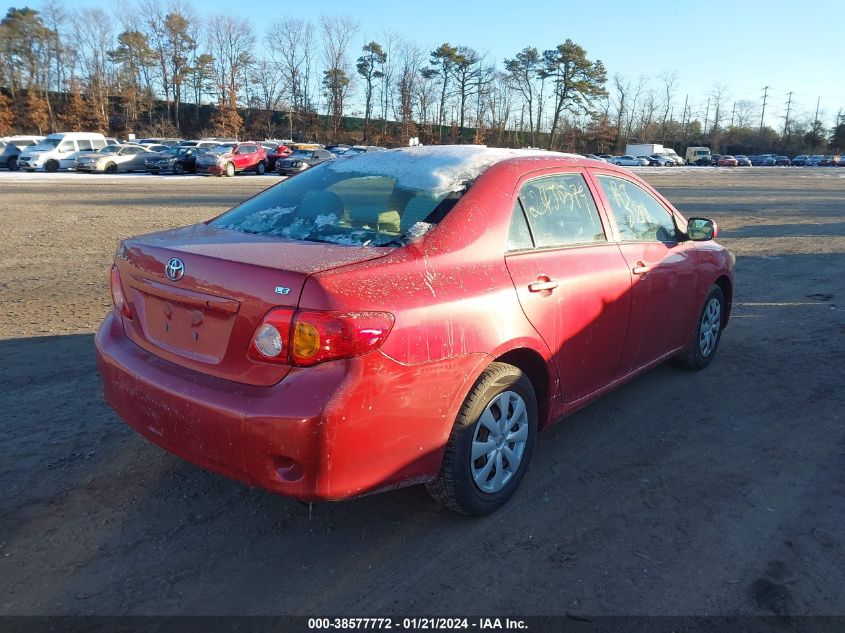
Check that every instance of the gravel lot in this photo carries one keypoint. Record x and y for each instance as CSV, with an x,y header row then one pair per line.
x,y
718,492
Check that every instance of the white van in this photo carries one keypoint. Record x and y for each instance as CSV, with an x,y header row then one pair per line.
x,y
58,151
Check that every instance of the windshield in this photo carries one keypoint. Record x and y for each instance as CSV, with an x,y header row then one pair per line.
x,y
323,206
50,142
222,149
109,149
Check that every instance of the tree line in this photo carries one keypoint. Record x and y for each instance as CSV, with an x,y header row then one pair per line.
x,y
158,67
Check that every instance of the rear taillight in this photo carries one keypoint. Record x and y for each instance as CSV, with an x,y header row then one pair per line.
x,y
271,341
117,296
309,337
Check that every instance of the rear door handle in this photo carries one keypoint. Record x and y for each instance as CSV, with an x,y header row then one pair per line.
x,y
539,286
640,269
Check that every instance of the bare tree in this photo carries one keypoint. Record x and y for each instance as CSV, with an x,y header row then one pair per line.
x,y
337,33
231,41
523,71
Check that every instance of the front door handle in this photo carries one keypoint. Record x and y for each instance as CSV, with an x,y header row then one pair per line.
x,y
640,269
543,283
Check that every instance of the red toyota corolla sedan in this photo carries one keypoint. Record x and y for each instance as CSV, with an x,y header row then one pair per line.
x,y
407,316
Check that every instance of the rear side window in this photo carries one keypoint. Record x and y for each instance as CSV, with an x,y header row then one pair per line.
x,y
85,144
639,216
519,236
561,211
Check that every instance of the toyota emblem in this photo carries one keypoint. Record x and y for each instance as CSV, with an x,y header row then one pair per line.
x,y
174,269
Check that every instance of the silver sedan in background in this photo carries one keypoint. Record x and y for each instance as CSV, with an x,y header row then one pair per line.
x,y
114,158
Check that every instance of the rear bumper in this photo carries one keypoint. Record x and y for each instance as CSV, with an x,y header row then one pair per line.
x,y
332,431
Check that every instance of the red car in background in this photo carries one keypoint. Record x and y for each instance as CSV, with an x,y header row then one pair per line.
x,y
408,316
728,161
227,159
275,152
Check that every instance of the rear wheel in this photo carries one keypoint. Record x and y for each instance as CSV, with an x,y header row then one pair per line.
x,y
51,166
12,164
490,444
260,169
708,332
230,170
178,169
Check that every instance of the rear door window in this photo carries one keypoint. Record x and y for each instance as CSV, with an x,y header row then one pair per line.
x,y
639,216
85,145
560,211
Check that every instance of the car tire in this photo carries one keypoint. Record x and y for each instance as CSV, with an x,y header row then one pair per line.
x,y
260,168
111,168
178,169
51,166
229,170
708,332
12,164
481,486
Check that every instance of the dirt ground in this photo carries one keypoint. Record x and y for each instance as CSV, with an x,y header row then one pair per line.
x,y
717,492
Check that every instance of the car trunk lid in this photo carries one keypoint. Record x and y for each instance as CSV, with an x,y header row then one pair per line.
x,y
205,319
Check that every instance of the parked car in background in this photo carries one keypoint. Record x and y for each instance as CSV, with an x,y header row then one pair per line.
x,y
59,150
727,160
112,159
274,345
199,145
275,152
742,160
814,160
302,159
168,142
629,161
782,161
595,157
841,161
174,160
659,160
228,160
763,160
12,148
338,150
606,157
829,161
671,153
800,160
362,149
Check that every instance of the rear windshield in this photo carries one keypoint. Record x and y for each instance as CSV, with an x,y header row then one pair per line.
x,y
320,205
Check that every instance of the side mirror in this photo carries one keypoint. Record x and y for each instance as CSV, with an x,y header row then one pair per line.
x,y
701,229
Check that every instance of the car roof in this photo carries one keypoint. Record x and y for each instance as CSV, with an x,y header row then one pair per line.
x,y
442,168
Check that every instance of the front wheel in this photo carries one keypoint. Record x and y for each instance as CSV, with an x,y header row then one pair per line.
x,y
178,169
490,444
708,332
111,168
260,169
12,164
51,166
230,170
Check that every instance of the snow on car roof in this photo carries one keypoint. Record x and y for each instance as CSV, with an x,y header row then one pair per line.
x,y
439,169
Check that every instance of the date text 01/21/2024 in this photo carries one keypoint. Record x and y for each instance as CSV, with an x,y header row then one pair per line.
x,y
416,624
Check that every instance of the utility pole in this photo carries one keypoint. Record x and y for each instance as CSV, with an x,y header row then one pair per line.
x,y
765,94
684,118
818,102
733,112
706,115
786,119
